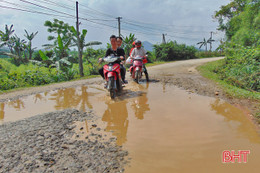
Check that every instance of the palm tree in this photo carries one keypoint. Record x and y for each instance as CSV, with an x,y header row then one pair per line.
x,y
29,46
203,43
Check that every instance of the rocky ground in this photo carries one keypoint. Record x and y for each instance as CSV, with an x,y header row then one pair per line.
x,y
44,143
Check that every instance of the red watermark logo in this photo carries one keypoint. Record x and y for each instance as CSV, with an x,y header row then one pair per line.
x,y
231,156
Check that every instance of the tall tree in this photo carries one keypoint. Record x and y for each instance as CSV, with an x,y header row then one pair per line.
x,y
81,44
226,13
6,38
60,28
203,43
30,37
210,40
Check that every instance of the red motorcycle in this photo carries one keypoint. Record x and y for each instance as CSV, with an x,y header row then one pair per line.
x,y
138,68
112,75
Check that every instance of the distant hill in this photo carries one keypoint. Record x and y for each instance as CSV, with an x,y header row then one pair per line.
x,y
3,49
147,46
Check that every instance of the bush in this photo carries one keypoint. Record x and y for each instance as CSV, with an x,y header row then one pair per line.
x,y
242,67
172,51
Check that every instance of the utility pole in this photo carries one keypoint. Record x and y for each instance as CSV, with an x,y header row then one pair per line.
x,y
163,38
210,40
118,18
79,49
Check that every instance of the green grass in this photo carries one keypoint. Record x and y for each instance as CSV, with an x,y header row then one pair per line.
x,y
207,71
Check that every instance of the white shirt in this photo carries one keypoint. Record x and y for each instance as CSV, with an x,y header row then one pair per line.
x,y
139,52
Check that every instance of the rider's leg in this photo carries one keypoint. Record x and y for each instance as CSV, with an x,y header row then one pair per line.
x,y
122,71
101,72
146,73
130,69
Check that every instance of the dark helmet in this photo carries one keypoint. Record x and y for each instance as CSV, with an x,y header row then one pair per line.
x,y
138,43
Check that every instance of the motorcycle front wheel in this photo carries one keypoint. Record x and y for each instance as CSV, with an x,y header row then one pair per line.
x,y
111,87
137,74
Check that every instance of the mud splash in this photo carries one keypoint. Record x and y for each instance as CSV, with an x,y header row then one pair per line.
x,y
165,129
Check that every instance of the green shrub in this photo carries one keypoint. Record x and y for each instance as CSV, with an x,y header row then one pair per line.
x,y
242,67
172,51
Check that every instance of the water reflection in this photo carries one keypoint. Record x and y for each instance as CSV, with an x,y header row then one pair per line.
x,y
116,116
233,115
17,104
78,98
139,104
71,98
39,97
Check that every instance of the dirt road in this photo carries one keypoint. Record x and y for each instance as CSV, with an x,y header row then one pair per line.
x,y
56,143
180,73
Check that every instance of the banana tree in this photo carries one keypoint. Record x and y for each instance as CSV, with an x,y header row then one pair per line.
x,y
5,39
210,40
17,47
60,57
29,45
203,43
127,43
79,41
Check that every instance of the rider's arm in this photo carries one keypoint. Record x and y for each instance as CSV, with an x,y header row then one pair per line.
x,y
132,53
123,54
145,53
107,54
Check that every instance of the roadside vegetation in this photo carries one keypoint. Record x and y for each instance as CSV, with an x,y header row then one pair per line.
x,y
68,57
239,72
241,66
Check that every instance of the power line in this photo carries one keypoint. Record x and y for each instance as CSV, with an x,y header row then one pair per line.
x,y
31,11
46,8
138,27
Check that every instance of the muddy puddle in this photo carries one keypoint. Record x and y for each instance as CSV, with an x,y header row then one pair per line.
x,y
165,129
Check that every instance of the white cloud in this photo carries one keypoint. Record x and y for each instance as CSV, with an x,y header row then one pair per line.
x,y
191,19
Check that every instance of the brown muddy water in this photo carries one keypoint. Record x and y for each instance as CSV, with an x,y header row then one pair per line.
x,y
165,129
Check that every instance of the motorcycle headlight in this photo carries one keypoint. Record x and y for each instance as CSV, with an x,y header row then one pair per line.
x,y
110,68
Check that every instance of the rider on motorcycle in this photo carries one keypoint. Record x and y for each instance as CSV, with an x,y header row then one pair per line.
x,y
139,51
117,51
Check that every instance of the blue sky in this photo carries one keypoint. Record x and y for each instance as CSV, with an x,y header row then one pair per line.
x,y
186,21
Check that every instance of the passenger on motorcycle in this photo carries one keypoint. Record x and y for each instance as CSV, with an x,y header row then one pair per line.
x,y
117,51
119,41
139,51
133,46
